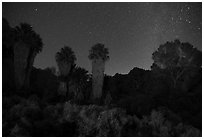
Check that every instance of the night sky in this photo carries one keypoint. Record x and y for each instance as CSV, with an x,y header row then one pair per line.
x,y
131,31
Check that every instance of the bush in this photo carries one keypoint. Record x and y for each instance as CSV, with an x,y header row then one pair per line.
x,y
161,126
27,118
100,121
111,122
94,120
182,130
17,131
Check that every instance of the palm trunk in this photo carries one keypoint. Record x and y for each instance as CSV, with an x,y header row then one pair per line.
x,y
21,52
174,83
64,69
67,92
29,68
98,67
63,88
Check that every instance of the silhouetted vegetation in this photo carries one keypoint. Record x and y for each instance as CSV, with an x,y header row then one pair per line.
x,y
66,62
163,101
99,55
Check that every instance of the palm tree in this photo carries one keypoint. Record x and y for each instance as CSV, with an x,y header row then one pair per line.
x,y
27,45
8,38
66,61
99,55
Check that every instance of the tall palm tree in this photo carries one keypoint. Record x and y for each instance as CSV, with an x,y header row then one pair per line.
x,y
8,38
99,55
27,45
65,59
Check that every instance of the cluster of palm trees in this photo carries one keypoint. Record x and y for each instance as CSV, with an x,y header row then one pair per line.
x,y
23,44
66,58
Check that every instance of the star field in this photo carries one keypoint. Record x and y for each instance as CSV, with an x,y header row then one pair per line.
x,y
131,31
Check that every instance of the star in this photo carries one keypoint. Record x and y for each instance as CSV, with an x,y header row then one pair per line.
x,y
129,11
36,9
177,36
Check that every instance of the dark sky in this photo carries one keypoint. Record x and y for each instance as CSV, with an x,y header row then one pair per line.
x,y
131,31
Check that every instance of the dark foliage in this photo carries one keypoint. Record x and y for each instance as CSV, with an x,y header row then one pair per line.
x,y
98,51
66,55
25,33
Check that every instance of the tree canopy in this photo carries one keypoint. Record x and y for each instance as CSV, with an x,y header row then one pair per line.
x,y
66,55
176,58
176,54
7,34
80,74
98,51
25,33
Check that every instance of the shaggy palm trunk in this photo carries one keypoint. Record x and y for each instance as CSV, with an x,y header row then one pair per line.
x,y
64,69
28,69
21,52
8,81
62,88
98,66
75,90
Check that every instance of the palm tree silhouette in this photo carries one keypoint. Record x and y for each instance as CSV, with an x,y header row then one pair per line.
x,y
27,45
66,61
99,55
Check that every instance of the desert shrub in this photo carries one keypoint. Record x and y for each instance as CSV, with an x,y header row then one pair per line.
x,y
8,102
70,112
84,116
53,111
137,104
28,118
95,120
18,131
182,130
158,124
52,123
111,122
32,112
100,121
88,119
20,116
